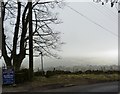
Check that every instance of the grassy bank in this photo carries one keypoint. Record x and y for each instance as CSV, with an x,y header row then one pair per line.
x,y
76,79
62,80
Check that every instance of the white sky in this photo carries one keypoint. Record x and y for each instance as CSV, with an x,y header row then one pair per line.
x,y
83,37
86,43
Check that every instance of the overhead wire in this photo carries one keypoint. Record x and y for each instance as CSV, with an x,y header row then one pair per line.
x,y
111,12
113,15
103,13
92,21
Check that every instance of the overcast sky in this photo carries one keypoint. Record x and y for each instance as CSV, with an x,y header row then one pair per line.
x,y
86,42
82,36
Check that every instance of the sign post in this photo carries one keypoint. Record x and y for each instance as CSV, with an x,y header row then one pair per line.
x,y
8,76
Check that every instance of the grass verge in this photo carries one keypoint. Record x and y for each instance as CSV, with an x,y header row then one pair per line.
x,y
57,81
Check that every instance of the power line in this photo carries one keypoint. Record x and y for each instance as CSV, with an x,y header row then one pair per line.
x,y
92,21
104,13
113,13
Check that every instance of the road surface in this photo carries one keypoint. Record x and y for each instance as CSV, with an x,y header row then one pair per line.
x,y
111,87
101,87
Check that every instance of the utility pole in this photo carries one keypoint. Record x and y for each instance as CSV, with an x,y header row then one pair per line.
x,y
118,7
1,44
118,42
0,27
30,41
42,63
118,37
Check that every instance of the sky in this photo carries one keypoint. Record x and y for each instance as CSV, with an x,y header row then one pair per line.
x,y
83,37
86,42
86,31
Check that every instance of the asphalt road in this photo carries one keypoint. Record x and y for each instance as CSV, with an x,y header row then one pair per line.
x,y
101,87
109,88
0,89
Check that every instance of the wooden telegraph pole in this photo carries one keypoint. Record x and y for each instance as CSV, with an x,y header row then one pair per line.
x,y
119,38
30,42
1,26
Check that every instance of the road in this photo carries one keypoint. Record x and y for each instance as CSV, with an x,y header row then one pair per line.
x,y
111,88
0,89
101,87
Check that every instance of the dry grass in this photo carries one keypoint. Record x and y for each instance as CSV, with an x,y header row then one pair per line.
x,y
74,79
64,80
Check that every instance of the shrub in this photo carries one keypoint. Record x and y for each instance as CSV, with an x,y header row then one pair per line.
x,y
21,76
49,73
39,73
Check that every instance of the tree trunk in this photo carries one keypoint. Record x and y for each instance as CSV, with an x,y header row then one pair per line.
x,y
17,64
4,50
17,60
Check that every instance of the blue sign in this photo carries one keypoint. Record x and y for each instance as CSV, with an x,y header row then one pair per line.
x,y
8,76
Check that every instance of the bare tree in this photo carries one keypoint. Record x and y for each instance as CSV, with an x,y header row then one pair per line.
x,y
113,2
15,15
